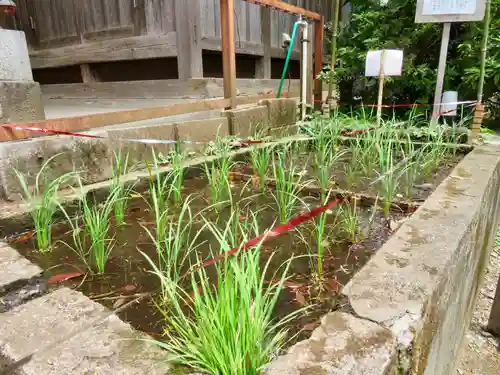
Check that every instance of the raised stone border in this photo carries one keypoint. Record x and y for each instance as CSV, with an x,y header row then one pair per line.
x,y
93,157
411,304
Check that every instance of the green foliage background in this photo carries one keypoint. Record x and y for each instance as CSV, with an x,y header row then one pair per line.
x,y
373,26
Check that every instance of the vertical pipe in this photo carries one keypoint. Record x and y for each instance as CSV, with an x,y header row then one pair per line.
x,y
484,50
304,70
318,62
228,50
335,26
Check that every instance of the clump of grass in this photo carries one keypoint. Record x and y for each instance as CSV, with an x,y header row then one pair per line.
x,y
226,325
288,185
43,202
348,219
261,157
176,175
95,222
119,169
217,173
176,245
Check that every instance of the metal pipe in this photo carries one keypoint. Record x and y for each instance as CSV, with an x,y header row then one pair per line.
x,y
304,69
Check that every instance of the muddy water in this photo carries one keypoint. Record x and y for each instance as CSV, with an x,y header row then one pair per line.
x,y
128,273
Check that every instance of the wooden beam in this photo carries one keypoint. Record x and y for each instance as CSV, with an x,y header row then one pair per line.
x,y
188,36
228,50
130,48
86,122
263,68
318,62
287,8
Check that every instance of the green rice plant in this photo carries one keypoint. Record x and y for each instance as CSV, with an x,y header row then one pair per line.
x,y
93,227
119,169
324,163
348,219
175,247
226,326
176,174
43,202
288,186
217,173
260,158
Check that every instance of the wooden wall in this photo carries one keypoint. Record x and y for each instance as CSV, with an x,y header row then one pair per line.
x,y
73,32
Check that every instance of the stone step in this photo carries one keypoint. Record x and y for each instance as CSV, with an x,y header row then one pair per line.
x,y
111,347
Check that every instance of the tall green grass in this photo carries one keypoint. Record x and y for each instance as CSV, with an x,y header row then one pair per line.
x,y
217,173
261,158
226,325
288,184
119,169
43,202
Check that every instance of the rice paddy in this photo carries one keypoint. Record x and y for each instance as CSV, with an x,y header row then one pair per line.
x,y
220,305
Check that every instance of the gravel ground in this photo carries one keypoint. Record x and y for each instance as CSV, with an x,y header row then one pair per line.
x,y
480,352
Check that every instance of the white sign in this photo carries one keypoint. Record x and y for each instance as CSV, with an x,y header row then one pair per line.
x,y
441,7
393,63
449,10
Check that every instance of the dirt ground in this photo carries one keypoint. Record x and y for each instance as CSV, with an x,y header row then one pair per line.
x,y
480,352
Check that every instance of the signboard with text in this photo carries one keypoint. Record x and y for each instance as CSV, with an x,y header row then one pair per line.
x,y
440,11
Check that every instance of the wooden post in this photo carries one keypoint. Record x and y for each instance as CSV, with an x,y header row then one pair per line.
x,y
318,62
443,53
381,78
494,320
310,75
188,37
476,122
228,50
263,68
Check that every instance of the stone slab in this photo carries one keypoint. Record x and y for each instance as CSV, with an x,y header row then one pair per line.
x,y
141,152
201,131
14,58
20,102
15,267
341,345
246,122
88,156
110,348
282,112
494,320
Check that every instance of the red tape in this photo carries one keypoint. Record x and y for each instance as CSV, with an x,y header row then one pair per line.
x,y
275,232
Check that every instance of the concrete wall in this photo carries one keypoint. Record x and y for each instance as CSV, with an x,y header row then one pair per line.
x,y
408,308
93,157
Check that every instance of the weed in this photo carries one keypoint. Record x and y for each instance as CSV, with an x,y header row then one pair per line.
x,y
120,168
43,203
261,157
349,219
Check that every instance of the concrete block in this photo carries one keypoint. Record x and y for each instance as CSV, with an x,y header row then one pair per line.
x,y
14,57
108,348
15,267
246,122
282,112
90,157
141,152
201,131
341,345
423,283
20,102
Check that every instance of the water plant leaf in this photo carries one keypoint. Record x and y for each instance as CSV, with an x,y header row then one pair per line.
x,y
63,277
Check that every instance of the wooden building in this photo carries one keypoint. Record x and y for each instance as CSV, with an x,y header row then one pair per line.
x,y
74,41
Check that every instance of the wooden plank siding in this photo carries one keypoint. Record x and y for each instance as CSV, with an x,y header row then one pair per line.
x,y
74,32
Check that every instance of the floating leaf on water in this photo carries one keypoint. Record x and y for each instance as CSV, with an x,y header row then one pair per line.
x,y
299,297
128,288
63,277
23,237
292,285
135,195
